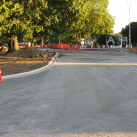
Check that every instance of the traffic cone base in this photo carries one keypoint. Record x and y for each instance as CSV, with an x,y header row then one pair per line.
x,y
1,77
2,81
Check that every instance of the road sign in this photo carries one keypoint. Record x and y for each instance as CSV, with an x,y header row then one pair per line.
x,y
124,39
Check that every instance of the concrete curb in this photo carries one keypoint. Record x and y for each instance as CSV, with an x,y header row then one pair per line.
x,y
51,64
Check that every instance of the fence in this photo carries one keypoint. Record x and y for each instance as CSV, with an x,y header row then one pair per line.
x,y
133,50
63,46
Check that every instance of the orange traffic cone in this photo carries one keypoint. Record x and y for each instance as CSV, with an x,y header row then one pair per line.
x,y
91,46
125,49
131,47
1,77
85,47
113,47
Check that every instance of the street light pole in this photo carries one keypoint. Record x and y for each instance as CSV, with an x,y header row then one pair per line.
x,y
121,42
129,3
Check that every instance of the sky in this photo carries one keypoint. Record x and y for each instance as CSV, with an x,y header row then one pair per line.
x,y
120,9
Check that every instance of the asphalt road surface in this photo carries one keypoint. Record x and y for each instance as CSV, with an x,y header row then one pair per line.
x,y
86,93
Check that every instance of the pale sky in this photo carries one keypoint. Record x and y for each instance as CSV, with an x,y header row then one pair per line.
x,y
120,9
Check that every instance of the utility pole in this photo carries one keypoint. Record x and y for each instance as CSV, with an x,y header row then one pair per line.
x,y
121,42
129,3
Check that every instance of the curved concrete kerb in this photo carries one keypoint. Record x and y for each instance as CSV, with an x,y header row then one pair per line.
x,y
51,64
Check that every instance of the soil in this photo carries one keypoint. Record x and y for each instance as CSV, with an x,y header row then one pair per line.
x,y
24,60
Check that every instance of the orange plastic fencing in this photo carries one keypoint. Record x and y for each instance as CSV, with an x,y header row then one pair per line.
x,y
2,49
23,46
63,46
37,46
57,46
133,50
74,46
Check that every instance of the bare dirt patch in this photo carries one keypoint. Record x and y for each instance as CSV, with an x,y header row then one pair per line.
x,y
24,60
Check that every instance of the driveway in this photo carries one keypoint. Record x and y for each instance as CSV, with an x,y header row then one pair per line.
x,y
86,93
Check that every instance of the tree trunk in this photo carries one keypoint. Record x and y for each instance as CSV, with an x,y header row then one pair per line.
x,y
77,38
42,41
10,46
16,46
32,44
13,45
82,35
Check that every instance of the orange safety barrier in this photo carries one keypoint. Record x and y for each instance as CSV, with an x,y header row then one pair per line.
x,y
23,46
63,46
37,46
2,49
75,46
45,46
133,50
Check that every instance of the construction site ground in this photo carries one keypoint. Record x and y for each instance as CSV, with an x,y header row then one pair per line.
x,y
24,60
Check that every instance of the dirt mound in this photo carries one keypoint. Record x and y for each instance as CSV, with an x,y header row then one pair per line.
x,y
31,58
24,53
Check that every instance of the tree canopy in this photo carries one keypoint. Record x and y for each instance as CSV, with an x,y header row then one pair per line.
x,y
125,32
93,20
32,19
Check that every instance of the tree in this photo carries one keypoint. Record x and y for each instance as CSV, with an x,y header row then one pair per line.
x,y
125,32
9,13
102,39
31,19
93,19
